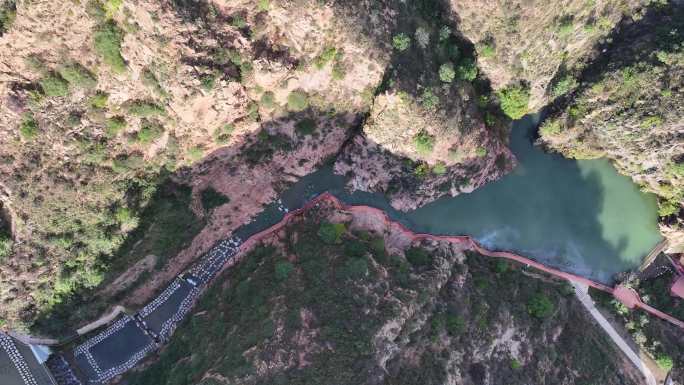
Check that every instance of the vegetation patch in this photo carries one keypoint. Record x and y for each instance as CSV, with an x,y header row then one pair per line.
x,y
223,134
78,76
144,108
401,42
28,128
150,131
107,43
424,143
53,85
514,101
297,100
306,126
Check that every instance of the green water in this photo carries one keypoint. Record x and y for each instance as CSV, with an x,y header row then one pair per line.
x,y
579,216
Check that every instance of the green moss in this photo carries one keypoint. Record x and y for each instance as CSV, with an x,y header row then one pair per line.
x,y
195,153
268,100
439,169
487,50
78,76
652,122
222,134
53,85
149,132
143,108
114,125
328,54
99,100
8,13
664,362
28,128
107,43
514,101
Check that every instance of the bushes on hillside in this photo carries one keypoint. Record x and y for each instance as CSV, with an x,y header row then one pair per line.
x,y
540,306
8,12
331,233
564,85
514,101
306,126
5,245
149,132
145,108
212,199
107,43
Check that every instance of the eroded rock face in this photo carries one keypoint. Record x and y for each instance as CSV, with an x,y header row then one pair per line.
x,y
540,41
630,109
416,154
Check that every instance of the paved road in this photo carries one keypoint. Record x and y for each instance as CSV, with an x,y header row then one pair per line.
x,y
582,292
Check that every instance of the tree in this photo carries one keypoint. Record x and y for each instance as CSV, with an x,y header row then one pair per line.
x,y
401,42
283,270
447,72
514,100
540,306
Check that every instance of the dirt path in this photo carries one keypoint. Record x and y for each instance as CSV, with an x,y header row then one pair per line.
x,y
582,293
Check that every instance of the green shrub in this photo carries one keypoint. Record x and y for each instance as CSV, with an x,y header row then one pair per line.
x,y
268,100
668,207
665,362
652,121
114,125
401,42
540,306
455,324
564,85
487,50
283,270
429,100
328,54
354,268
223,133
306,126
149,132
424,143
481,152
53,85
107,43
418,256
212,199
78,76
422,170
5,246
514,101
264,5
28,127
565,26
331,233
447,72
297,100
238,21
149,79
144,108
467,70
8,12
515,364
439,168
99,100
208,80
551,127
195,153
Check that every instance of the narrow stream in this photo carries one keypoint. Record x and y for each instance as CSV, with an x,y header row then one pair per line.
x,y
580,216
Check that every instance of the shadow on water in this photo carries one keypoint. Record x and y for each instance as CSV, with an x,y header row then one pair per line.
x,y
549,208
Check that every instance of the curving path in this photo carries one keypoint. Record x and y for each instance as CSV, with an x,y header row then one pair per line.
x,y
582,293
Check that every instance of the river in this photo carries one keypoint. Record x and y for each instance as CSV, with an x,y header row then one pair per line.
x,y
580,216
